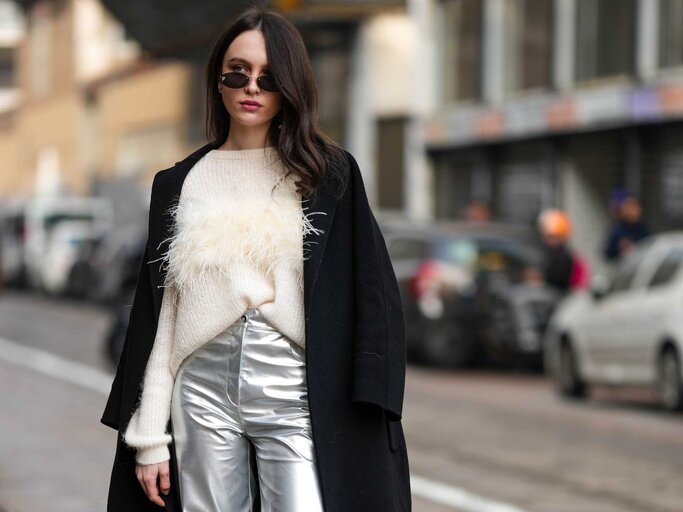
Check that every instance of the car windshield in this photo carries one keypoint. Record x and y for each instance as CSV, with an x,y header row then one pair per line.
x,y
485,254
629,266
57,218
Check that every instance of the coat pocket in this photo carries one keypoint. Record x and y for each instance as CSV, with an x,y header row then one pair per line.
x,y
392,434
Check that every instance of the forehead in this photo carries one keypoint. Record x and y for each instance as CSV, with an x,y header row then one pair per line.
x,y
249,47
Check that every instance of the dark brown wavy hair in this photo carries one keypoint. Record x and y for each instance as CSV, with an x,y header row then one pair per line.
x,y
303,148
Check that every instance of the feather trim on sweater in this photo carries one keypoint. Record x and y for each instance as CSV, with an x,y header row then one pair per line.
x,y
211,233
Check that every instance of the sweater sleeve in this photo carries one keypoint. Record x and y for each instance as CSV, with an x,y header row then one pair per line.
x,y
146,430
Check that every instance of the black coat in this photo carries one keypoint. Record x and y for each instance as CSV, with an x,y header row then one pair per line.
x,y
355,352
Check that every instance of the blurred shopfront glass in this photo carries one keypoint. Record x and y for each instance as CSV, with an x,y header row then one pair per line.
x,y
523,181
605,38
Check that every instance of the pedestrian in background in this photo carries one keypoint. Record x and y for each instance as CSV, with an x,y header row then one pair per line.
x,y
478,211
264,362
563,268
628,228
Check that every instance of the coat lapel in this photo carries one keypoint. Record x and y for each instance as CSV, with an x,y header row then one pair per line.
x,y
320,206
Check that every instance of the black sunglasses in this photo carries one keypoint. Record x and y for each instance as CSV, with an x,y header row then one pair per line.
x,y
235,80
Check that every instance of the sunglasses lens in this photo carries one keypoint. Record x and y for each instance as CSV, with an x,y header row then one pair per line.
x,y
267,83
234,80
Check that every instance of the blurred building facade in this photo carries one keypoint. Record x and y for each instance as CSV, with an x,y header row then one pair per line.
x,y
523,103
361,52
554,103
109,92
12,31
92,105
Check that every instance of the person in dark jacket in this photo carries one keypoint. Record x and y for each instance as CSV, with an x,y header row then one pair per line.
x,y
318,423
627,230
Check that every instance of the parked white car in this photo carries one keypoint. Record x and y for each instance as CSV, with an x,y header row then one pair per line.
x,y
61,252
628,333
43,214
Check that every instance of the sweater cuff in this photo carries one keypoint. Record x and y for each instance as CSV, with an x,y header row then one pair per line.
x,y
152,455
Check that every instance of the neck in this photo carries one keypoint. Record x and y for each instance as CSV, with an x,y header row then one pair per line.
x,y
253,138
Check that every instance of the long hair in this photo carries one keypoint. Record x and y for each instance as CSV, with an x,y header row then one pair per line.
x,y
301,145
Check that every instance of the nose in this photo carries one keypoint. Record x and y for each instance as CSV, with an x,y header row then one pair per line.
x,y
252,87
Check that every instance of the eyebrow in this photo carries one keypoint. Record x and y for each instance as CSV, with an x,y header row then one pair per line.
x,y
235,60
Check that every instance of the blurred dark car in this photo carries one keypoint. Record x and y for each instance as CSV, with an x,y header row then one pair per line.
x,y
116,333
102,268
12,235
117,289
470,292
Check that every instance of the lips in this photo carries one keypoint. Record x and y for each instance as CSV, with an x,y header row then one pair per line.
x,y
251,103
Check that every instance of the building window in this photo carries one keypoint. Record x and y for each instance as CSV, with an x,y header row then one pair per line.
x,y
7,67
527,26
390,147
12,32
331,68
463,49
41,50
605,42
671,33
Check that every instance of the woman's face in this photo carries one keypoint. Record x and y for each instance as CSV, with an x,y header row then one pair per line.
x,y
247,54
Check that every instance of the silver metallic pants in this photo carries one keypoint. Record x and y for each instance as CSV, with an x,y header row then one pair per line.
x,y
243,391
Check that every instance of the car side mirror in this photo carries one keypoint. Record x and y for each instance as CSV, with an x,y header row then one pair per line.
x,y
599,287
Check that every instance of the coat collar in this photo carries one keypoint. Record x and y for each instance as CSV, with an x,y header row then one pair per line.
x,y
322,201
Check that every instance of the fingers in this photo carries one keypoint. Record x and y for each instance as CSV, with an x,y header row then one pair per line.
x,y
164,477
147,476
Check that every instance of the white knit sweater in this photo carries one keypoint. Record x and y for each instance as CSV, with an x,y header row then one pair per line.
x,y
236,245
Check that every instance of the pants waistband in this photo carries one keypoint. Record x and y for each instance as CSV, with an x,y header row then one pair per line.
x,y
251,313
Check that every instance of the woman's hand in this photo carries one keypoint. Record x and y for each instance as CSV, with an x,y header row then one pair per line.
x,y
147,476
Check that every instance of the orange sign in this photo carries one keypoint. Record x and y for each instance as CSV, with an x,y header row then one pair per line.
x,y
562,114
490,124
672,98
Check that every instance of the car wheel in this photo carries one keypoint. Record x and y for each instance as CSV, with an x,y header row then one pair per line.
x,y
567,379
669,385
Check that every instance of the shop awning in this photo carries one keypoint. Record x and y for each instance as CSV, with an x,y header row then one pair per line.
x,y
178,28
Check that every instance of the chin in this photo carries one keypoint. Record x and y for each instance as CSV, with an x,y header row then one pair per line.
x,y
250,121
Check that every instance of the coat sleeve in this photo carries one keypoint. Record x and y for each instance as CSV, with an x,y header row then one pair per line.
x,y
141,300
142,324
379,356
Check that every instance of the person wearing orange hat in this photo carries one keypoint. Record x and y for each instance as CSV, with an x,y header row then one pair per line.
x,y
562,267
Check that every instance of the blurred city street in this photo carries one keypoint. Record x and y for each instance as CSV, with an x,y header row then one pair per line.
x,y
523,160
477,441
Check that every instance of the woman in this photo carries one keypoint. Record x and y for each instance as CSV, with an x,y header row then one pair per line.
x,y
264,362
